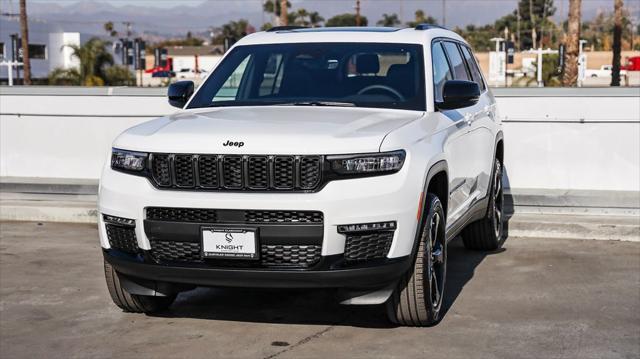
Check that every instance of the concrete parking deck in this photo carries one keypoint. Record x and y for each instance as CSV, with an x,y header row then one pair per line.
x,y
538,298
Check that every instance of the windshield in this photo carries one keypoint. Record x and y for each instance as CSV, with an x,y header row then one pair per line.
x,y
318,74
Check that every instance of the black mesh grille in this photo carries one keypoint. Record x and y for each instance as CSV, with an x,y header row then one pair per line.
x,y
232,175
309,172
208,171
283,168
122,238
207,215
258,177
160,169
235,172
362,247
200,215
283,217
291,256
175,251
184,170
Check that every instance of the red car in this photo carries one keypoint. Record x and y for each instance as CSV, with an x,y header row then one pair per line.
x,y
633,64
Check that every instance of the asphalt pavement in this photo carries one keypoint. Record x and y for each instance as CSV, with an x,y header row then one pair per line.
x,y
536,298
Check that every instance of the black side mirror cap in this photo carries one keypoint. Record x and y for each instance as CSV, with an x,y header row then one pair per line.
x,y
459,94
180,92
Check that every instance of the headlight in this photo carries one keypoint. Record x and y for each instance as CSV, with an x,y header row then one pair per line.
x,y
128,160
367,164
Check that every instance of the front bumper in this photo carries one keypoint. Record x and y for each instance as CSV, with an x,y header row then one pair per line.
x,y
375,199
375,275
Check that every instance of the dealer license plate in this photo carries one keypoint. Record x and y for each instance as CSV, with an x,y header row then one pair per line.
x,y
229,243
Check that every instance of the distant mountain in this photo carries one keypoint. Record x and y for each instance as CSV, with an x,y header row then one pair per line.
x,y
166,21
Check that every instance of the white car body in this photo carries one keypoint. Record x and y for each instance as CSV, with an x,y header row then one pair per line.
x,y
603,71
461,143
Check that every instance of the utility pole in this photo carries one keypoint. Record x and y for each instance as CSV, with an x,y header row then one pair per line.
x,y
444,13
284,19
357,12
24,29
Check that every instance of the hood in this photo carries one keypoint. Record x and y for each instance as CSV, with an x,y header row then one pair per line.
x,y
267,130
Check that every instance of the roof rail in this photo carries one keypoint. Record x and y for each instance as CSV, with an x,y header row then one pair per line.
x,y
285,28
426,26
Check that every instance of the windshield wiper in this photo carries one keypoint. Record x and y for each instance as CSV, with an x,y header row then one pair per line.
x,y
319,103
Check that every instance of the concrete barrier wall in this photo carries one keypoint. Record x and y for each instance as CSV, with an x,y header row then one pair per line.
x,y
577,139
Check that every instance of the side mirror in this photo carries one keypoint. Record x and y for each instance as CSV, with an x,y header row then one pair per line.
x,y
459,94
179,93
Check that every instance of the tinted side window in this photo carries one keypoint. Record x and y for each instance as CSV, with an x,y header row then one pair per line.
x,y
457,63
441,70
473,67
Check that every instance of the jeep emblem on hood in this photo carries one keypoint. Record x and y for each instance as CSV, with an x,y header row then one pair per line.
x,y
236,144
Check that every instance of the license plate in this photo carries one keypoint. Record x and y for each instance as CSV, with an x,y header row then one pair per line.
x,y
229,243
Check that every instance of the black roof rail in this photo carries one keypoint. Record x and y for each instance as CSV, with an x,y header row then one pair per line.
x,y
285,28
426,26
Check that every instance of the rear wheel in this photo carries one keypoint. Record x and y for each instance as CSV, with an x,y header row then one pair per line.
x,y
417,300
487,233
131,302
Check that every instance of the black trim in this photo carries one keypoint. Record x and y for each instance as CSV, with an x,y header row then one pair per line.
x,y
372,275
287,233
286,28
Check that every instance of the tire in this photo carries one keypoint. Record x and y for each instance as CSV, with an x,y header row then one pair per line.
x,y
417,300
131,302
486,234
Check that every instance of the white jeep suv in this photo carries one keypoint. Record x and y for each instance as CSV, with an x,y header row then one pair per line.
x,y
338,158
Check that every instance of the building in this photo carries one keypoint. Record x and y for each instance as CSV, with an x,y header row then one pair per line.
x,y
195,58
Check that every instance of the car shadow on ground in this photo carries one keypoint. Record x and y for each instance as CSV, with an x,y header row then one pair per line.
x,y
312,307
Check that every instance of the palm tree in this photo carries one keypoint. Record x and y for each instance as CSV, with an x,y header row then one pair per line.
x,y
617,43
570,76
24,29
93,56
315,19
389,20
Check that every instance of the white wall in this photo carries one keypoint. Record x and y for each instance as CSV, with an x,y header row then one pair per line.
x,y
557,139
206,63
60,54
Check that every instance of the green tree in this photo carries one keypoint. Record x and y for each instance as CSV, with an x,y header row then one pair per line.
x,y
534,15
315,19
110,29
389,20
64,77
93,56
96,67
118,76
479,37
189,40
234,30
347,19
302,17
421,18
550,74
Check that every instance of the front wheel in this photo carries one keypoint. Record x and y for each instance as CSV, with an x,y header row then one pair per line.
x,y
132,302
417,300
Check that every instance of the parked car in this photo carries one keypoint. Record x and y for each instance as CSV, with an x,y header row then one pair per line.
x,y
604,71
633,64
163,74
310,158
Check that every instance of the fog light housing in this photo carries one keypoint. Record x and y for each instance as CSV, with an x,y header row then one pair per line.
x,y
367,227
119,221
